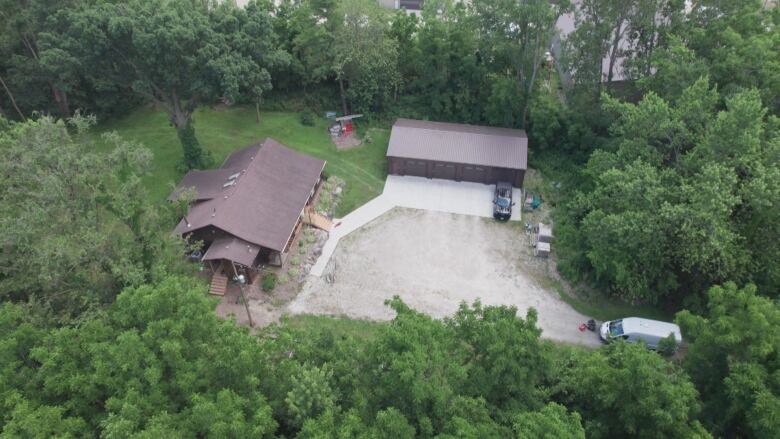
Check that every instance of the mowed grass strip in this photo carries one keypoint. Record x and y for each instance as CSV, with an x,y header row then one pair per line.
x,y
338,326
225,130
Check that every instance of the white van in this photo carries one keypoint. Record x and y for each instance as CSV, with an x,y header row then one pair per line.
x,y
635,329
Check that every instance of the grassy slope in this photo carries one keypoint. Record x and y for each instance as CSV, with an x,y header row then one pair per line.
x,y
226,130
338,326
604,309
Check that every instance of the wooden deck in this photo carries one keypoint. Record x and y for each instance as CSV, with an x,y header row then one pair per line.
x,y
317,220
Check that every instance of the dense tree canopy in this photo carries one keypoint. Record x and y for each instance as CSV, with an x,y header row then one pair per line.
x,y
177,54
679,204
159,362
78,224
733,359
669,192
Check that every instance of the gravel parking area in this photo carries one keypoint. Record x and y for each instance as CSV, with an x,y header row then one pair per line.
x,y
434,261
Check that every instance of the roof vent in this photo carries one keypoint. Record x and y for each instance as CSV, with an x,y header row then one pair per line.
x,y
229,183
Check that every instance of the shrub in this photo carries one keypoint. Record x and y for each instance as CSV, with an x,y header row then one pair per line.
x,y
667,346
295,261
293,272
269,282
307,118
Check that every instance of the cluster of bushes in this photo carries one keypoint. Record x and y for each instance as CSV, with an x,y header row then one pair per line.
x,y
158,362
307,118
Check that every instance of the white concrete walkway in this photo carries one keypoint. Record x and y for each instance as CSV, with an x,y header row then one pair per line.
x,y
342,227
417,193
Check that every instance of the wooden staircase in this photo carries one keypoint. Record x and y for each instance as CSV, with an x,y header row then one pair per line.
x,y
315,219
218,284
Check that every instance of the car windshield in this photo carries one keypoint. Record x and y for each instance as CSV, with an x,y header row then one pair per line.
x,y
502,202
616,327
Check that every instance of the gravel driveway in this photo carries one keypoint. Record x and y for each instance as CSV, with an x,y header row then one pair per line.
x,y
434,261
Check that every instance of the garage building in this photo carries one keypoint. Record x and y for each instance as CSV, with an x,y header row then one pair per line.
x,y
457,152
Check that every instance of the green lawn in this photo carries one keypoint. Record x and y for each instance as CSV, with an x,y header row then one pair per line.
x,y
603,309
338,326
222,131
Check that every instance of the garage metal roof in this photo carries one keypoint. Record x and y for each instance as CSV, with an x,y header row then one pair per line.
x,y
459,143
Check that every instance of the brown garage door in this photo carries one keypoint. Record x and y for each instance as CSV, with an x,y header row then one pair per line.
x,y
442,170
502,174
474,173
416,168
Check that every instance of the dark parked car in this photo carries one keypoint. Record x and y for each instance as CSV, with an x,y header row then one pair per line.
x,y
502,201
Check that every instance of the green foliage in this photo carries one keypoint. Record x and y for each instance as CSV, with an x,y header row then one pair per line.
x,y
515,36
677,68
733,360
307,118
174,54
38,79
158,360
269,281
666,208
546,122
624,390
446,73
552,422
194,156
506,359
79,226
614,37
667,346
295,261
365,56
311,394
505,105
739,42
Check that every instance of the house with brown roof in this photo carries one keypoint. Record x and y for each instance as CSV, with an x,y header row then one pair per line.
x,y
249,211
457,152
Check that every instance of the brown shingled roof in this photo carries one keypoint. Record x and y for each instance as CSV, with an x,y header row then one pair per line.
x,y
264,204
459,143
233,249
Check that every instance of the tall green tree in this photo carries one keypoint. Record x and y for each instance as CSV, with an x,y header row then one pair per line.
x,y
79,226
733,360
515,37
616,39
739,40
450,77
624,390
178,55
158,362
365,56
674,204
37,81
305,30
553,421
